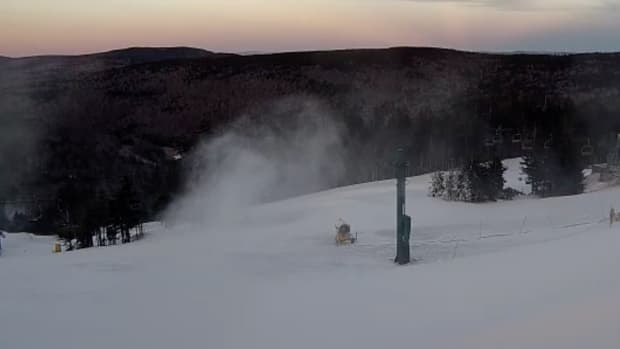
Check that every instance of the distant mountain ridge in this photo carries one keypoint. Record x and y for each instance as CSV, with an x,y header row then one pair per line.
x,y
151,53
141,55
106,60
137,53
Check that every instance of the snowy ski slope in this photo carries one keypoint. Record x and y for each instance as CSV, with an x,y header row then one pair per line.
x,y
529,273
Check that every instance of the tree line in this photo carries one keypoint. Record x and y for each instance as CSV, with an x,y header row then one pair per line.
x,y
474,182
553,164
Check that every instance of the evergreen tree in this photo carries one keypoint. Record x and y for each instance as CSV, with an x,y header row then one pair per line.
x,y
87,218
19,222
86,226
454,185
95,217
533,168
450,186
4,220
566,170
437,188
495,181
555,171
462,187
70,200
126,210
482,181
475,174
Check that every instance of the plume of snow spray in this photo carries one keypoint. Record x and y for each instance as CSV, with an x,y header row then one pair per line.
x,y
289,148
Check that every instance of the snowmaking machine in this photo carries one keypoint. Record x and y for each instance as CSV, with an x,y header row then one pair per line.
x,y
343,234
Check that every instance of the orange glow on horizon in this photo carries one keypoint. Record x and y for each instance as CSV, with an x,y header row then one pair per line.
x,y
72,26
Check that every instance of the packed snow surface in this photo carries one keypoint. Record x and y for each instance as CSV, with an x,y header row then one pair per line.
x,y
529,273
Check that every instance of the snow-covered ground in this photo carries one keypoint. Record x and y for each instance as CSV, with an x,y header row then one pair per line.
x,y
529,273
26,245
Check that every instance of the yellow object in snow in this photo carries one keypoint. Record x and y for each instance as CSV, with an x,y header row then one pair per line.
x,y
343,239
343,233
56,248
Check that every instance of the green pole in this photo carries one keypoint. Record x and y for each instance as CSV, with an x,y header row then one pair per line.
x,y
403,222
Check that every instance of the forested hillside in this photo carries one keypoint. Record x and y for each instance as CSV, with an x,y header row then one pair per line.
x,y
74,129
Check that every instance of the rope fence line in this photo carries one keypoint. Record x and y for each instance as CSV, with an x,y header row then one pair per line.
x,y
458,242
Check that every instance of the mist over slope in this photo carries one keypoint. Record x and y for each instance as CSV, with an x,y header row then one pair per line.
x,y
256,161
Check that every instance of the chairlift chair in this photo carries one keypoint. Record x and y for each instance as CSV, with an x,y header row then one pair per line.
x,y
548,143
527,144
516,138
499,135
587,149
498,139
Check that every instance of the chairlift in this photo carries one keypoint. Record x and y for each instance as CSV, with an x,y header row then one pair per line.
x,y
498,139
499,135
548,143
587,149
489,142
516,138
527,143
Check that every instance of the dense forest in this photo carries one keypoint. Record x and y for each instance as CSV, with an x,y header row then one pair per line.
x,y
79,134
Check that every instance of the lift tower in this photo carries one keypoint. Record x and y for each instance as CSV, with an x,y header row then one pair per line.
x,y
403,222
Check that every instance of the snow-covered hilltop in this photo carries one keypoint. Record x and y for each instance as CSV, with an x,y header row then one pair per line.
x,y
529,273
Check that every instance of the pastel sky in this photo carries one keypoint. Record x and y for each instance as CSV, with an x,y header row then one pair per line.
x,y
30,27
